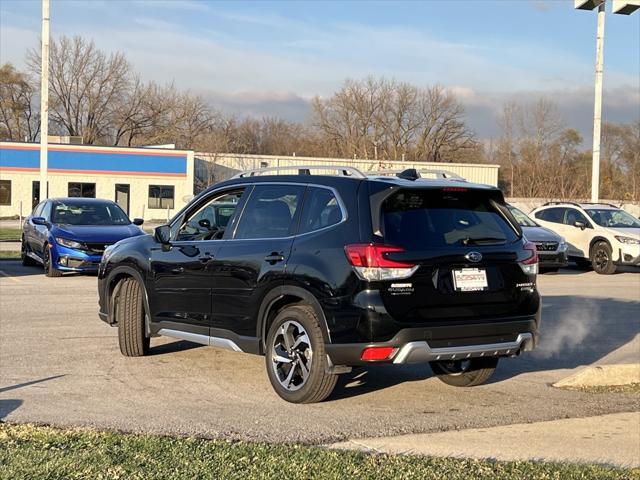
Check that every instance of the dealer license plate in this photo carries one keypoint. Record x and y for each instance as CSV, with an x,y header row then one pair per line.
x,y
470,280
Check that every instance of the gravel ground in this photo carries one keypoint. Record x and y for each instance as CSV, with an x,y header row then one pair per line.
x,y
60,365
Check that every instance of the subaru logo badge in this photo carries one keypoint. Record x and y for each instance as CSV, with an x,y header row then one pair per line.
x,y
474,257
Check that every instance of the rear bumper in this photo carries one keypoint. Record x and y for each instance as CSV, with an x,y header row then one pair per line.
x,y
455,342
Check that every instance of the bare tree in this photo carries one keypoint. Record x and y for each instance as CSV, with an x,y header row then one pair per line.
x,y
19,116
86,86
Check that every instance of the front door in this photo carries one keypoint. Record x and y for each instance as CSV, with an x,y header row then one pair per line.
x,y
253,259
122,196
181,273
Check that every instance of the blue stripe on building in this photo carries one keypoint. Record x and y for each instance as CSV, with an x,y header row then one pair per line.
x,y
100,161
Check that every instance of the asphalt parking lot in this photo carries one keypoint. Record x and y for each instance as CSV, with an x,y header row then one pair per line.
x,y
60,365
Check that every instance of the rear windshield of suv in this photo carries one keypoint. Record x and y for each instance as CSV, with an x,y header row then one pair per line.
x,y
423,219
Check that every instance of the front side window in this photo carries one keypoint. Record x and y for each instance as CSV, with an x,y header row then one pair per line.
x,y
424,219
270,212
210,221
5,192
572,216
321,210
85,190
613,218
89,213
46,211
161,196
37,210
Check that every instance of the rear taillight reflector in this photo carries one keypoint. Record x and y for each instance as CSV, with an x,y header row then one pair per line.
x,y
530,264
376,354
371,262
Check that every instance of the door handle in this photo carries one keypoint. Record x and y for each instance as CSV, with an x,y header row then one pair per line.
x,y
274,257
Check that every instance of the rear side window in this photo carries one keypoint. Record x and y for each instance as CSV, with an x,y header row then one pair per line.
x,y
555,215
424,219
321,210
270,212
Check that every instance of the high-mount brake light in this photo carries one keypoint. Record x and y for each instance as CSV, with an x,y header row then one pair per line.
x,y
371,262
530,264
455,189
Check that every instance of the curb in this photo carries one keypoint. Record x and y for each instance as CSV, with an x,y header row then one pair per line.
x,y
603,376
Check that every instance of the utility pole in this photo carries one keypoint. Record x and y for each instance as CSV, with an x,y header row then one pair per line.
x,y
44,102
622,7
597,107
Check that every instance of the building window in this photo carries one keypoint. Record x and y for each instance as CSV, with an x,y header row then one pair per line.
x,y
5,192
161,196
77,189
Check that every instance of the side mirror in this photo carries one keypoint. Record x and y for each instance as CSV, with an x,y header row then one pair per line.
x,y
40,221
138,221
579,224
162,234
205,223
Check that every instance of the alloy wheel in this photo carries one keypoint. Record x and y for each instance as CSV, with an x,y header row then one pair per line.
x,y
291,355
601,259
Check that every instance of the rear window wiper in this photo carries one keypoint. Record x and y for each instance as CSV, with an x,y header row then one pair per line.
x,y
470,241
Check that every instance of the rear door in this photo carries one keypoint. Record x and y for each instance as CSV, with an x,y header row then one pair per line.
x,y
253,260
466,248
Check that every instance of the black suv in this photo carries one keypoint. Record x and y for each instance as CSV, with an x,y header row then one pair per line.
x,y
321,273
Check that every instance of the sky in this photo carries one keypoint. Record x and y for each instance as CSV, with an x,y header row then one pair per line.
x,y
270,58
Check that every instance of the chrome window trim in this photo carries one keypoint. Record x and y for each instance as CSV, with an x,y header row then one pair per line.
x,y
341,204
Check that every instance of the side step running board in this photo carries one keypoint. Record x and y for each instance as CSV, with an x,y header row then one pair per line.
x,y
201,339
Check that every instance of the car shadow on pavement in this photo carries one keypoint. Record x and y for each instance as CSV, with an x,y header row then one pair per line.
x,y
377,377
11,404
14,268
173,347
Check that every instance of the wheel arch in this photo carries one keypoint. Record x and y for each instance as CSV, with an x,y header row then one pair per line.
x,y
114,280
282,297
596,239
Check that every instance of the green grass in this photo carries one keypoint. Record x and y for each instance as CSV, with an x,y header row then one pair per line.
x,y
9,255
33,452
10,234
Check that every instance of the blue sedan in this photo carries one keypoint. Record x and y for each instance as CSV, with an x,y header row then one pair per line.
x,y
70,234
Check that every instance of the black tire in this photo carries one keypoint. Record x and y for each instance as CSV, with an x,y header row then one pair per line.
x,y
129,313
318,384
601,256
583,264
465,373
26,260
49,269
549,269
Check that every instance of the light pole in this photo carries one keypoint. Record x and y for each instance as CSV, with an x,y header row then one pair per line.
x,y
44,102
624,7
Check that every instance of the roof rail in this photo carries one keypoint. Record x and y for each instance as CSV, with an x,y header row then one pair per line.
x,y
340,170
439,173
578,204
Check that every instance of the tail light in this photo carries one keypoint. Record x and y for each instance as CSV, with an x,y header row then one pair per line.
x,y
530,264
371,263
